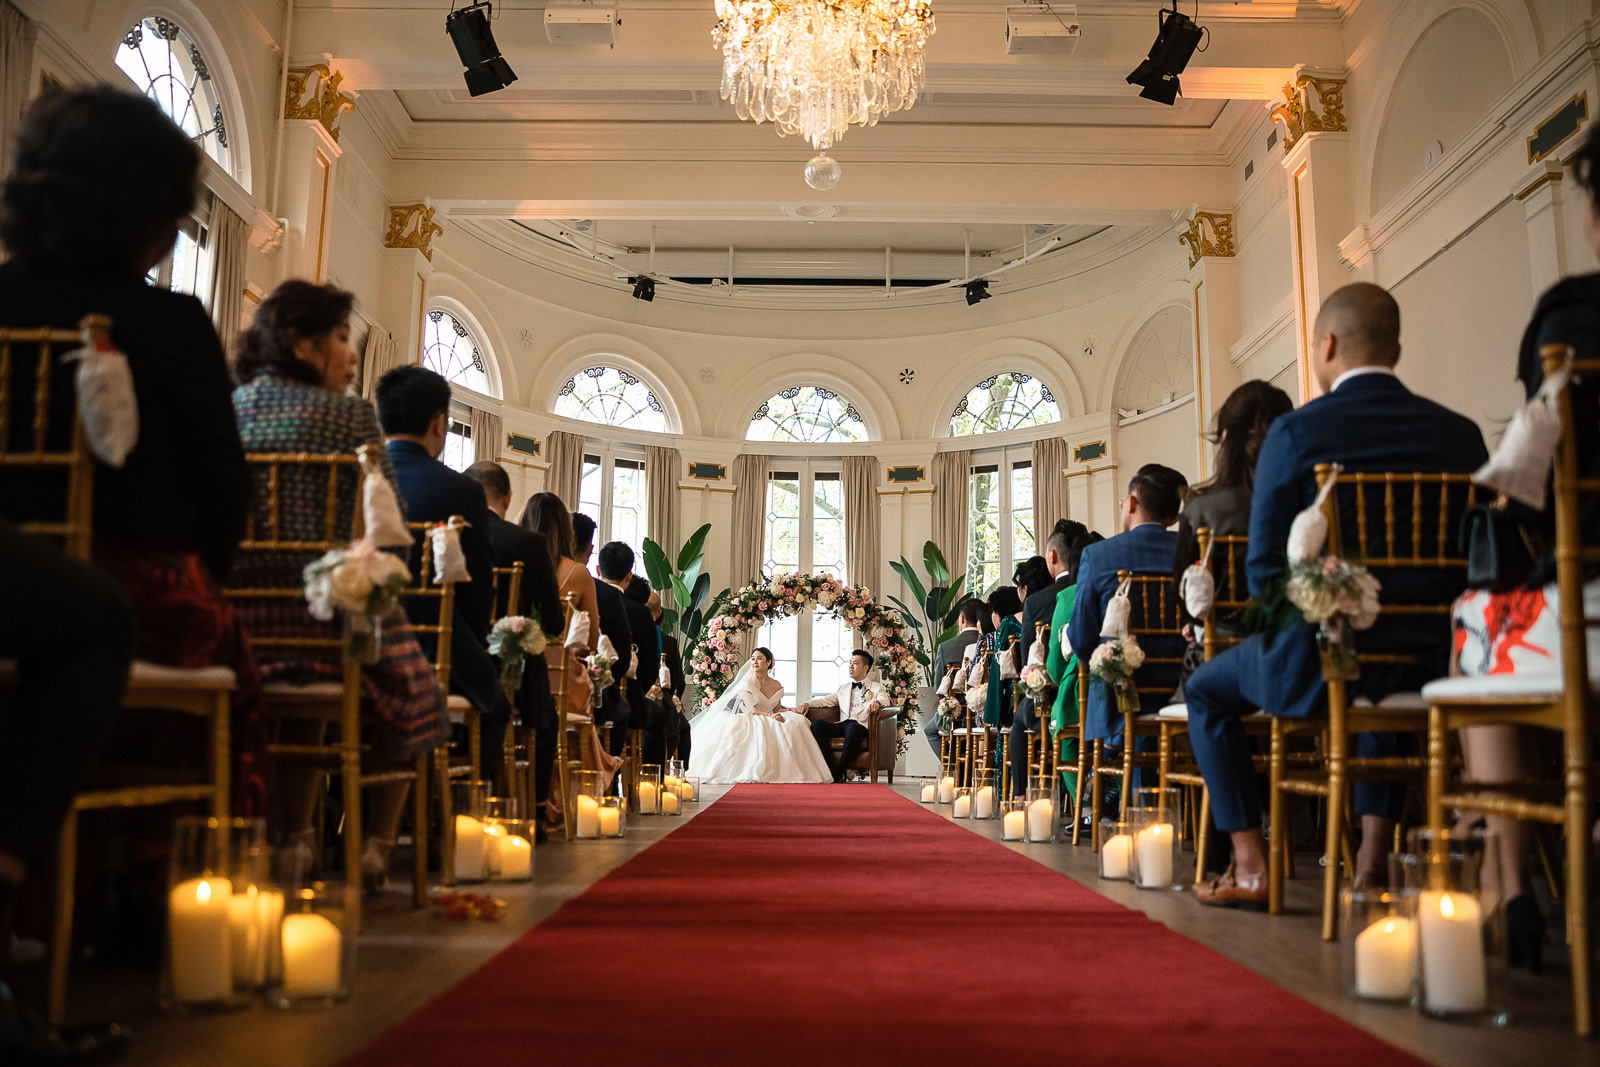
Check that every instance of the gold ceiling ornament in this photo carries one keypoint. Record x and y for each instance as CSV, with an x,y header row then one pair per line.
x,y
1210,235
412,226
313,93
1311,105
814,68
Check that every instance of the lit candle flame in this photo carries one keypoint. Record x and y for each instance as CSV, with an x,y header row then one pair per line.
x,y
203,892
1447,907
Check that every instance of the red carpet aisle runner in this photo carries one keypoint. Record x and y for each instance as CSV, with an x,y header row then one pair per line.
x,y
833,924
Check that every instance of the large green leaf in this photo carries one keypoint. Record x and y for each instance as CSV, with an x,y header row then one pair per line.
x,y
656,567
680,592
691,626
694,548
903,569
692,575
952,599
669,621
698,594
933,559
931,603
947,634
910,616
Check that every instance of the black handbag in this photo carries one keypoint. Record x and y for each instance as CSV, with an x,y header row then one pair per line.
x,y
1496,547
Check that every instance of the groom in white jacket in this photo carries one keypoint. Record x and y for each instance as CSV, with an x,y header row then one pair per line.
x,y
859,702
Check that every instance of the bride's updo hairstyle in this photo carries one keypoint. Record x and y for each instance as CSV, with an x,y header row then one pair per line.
x,y
767,652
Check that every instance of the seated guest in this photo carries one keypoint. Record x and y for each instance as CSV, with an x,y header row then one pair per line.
x,y
1005,611
71,648
294,364
1514,630
1063,666
1145,546
951,653
544,513
678,741
102,179
616,572
1367,420
414,408
614,624
1044,584
510,544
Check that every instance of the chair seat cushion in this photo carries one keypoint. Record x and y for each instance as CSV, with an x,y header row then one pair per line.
x,y
143,672
311,691
1403,701
1532,687
1174,713
457,704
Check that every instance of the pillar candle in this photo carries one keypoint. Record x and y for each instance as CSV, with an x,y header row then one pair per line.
x,y
963,807
1013,826
1384,959
199,937
269,904
929,793
648,798
670,802
1451,941
493,836
610,821
588,816
1041,814
947,790
1114,855
311,951
516,857
1153,855
246,935
471,852
983,803
688,789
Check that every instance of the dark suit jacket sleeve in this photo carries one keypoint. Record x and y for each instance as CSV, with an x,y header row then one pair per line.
x,y
648,640
540,588
1084,629
1277,499
476,598
215,472
672,655
614,620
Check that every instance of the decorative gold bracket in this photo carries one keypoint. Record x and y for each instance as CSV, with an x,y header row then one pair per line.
x,y
1311,105
412,226
313,93
1210,234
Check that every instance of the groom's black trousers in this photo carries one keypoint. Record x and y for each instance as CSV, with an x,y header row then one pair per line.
x,y
855,739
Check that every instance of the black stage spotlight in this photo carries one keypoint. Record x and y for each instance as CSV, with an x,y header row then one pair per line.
x,y
1176,41
644,288
976,291
486,70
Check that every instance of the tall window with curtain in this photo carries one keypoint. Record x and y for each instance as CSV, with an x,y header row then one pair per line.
x,y
612,492
999,518
805,533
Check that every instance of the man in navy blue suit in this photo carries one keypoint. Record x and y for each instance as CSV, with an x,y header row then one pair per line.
x,y
1145,546
414,408
1367,421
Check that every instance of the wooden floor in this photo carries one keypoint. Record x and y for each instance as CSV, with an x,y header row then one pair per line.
x,y
407,956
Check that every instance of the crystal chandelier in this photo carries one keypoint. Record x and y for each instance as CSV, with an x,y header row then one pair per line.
x,y
815,67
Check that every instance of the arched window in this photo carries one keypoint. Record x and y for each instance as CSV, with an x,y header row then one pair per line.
x,y
1008,401
611,397
449,349
809,414
165,64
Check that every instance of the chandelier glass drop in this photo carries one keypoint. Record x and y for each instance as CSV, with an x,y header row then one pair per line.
x,y
816,67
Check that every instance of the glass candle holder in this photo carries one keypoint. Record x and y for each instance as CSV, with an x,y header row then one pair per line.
x,y
930,793
511,857
1013,820
1153,821
1378,943
318,949
962,808
1041,798
587,791
211,860
648,799
1116,850
986,795
1460,923
947,790
690,790
671,797
467,851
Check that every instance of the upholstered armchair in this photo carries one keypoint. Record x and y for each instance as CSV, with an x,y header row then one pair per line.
x,y
878,756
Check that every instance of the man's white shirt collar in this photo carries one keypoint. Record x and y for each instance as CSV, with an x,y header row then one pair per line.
x,y
1358,372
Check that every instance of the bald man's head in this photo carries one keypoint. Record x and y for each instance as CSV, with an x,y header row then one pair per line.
x,y
1364,321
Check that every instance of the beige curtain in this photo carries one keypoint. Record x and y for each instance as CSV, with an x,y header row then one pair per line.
x,y
749,513
951,471
564,452
662,467
1049,488
863,526
485,435
16,63
229,236
381,354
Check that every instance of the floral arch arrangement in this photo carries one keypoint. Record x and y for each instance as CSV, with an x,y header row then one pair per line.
x,y
715,659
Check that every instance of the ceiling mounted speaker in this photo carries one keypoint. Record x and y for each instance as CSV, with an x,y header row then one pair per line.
x,y
582,24
1030,31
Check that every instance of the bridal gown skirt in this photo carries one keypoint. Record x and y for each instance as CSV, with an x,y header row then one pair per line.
x,y
754,748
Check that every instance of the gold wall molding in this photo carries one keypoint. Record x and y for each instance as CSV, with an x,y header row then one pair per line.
x,y
1311,105
313,93
1210,235
412,226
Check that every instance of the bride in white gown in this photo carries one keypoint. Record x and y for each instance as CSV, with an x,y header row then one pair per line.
x,y
747,736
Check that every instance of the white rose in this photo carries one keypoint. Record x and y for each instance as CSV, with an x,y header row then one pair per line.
x,y
349,587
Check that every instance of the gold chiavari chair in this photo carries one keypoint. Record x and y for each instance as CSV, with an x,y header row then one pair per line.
x,y
947,736
517,749
1559,703
1001,734
570,729
62,457
1154,614
1436,502
285,480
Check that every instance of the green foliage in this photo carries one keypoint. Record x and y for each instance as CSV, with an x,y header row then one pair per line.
x,y
940,600
686,587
